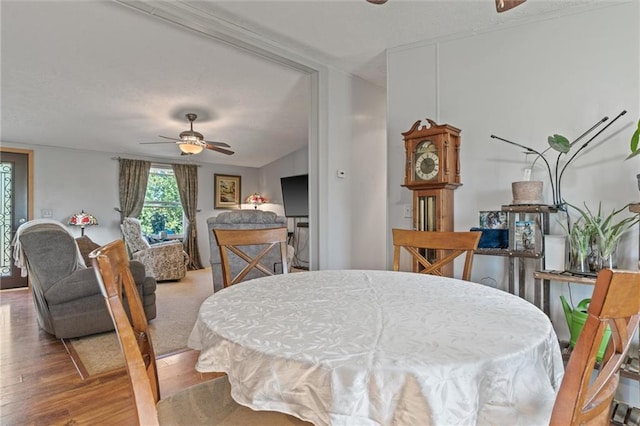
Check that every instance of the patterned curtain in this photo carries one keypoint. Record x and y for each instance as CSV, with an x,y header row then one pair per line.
x,y
132,185
187,179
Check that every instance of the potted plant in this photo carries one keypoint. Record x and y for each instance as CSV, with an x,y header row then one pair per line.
x,y
561,145
580,238
607,230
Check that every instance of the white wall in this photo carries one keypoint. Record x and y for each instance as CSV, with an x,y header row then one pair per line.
x,y
524,84
355,212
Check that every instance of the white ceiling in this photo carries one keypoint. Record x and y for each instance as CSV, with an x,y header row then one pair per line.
x,y
100,75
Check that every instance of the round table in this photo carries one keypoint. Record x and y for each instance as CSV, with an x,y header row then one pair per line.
x,y
380,347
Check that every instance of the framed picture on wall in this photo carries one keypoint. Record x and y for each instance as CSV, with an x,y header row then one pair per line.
x,y
226,191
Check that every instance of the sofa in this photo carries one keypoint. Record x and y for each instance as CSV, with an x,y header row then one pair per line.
x,y
244,219
65,290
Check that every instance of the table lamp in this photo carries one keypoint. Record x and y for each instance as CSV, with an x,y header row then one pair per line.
x,y
256,199
82,219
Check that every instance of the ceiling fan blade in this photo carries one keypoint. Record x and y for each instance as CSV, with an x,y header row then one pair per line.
x,y
504,5
167,137
222,150
149,143
226,145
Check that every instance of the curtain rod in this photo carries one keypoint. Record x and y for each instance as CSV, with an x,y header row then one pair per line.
x,y
153,162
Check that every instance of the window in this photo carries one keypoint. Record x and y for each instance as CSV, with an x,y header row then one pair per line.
x,y
162,210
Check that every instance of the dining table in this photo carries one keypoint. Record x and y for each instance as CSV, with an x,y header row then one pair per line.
x,y
369,347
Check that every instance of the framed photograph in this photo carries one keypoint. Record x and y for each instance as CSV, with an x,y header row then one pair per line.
x,y
525,235
493,219
226,191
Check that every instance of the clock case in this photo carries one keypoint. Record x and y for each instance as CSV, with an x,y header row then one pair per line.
x,y
446,139
433,208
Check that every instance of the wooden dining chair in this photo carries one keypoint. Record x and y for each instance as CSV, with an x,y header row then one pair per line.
x,y
208,402
453,243
582,398
230,241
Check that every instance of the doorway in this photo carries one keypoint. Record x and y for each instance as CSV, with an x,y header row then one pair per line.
x,y
16,191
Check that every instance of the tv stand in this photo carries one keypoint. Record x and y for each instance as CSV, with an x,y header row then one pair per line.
x,y
301,243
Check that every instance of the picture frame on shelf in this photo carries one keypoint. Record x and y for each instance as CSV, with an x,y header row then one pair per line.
x,y
494,219
525,235
227,191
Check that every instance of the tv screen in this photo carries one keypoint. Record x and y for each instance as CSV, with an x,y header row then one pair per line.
x,y
295,195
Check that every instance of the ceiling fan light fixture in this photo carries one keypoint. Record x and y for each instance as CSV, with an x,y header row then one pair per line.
x,y
190,147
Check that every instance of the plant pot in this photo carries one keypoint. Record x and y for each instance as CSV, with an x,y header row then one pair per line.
x,y
527,192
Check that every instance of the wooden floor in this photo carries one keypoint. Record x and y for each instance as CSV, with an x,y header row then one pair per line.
x,y
39,384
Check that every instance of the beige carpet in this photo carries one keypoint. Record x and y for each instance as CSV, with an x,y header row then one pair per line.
x,y
177,306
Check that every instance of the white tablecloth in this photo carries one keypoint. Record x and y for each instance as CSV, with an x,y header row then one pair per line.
x,y
380,347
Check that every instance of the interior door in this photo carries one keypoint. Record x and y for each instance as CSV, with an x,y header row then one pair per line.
x,y
15,209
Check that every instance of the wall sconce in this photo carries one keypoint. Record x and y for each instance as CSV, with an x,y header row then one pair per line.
x,y
82,219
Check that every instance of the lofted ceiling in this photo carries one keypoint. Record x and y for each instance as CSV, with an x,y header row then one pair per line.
x,y
107,75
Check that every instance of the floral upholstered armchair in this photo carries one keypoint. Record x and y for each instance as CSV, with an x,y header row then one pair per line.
x,y
166,261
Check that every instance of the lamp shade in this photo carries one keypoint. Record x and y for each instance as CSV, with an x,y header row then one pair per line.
x,y
256,199
190,148
83,219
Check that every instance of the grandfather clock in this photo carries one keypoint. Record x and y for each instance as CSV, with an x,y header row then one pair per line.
x,y
432,172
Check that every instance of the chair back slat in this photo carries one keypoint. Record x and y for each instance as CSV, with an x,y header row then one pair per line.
x,y
615,303
232,240
450,244
111,265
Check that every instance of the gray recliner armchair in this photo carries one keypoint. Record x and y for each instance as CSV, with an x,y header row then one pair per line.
x,y
244,219
66,293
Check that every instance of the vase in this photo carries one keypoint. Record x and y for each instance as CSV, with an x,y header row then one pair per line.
x,y
607,258
579,263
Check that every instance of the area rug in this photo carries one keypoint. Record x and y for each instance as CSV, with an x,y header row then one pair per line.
x,y
177,305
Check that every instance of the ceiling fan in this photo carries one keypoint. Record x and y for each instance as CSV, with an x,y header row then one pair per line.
x,y
501,5
192,142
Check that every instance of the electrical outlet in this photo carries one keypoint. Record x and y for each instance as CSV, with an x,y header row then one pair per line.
x,y
408,211
46,213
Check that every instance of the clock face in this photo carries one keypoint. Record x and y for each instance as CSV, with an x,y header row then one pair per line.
x,y
427,162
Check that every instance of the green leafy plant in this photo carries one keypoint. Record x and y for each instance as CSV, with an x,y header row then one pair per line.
x,y
562,145
607,229
635,142
580,236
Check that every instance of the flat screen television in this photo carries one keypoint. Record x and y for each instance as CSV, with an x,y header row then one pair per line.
x,y
295,195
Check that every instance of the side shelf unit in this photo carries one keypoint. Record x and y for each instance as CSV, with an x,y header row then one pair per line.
x,y
528,224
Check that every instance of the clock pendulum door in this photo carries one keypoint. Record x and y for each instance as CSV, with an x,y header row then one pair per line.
x,y
433,211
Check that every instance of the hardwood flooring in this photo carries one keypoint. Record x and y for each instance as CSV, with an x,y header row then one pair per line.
x,y
39,383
